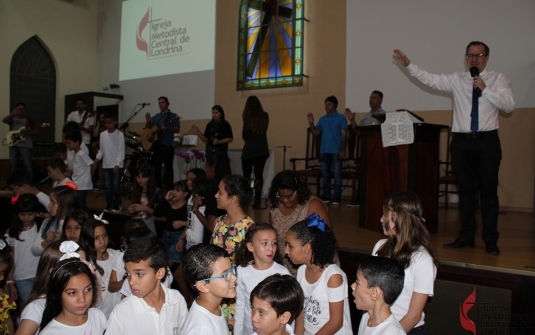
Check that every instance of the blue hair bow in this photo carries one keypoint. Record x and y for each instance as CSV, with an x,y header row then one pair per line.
x,y
314,220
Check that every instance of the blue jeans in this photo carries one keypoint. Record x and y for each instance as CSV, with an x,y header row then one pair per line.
x,y
170,239
113,187
24,287
333,161
15,153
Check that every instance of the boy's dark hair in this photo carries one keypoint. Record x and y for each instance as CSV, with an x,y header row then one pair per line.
x,y
60,148
199,261
57,163
131,224
137,233
74,136
70,126
282,292
148,247
384,273
332,99
323,243
20,177
110,115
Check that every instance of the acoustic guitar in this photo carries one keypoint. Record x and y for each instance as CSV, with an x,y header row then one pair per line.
x,y
151,135
15,136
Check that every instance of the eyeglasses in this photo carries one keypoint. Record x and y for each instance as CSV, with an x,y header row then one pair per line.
x,y
227,275
285,197
478,56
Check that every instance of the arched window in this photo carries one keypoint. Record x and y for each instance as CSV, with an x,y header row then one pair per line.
x,y
33,82
270,45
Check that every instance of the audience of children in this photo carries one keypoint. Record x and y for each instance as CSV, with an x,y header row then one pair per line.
x,y
112,149
379,283
257,257
326,310
145,195
156,308
242,261
408,243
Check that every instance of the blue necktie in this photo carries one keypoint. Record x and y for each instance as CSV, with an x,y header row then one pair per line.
x,y
474,124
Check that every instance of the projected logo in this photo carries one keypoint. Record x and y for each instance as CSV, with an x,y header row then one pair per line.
x,y
161,39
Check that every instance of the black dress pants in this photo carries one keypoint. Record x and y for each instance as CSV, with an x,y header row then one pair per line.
x,y
163,154
475,164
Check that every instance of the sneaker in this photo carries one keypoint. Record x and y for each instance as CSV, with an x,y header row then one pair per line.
x,y
117,209
336,201
354,203
326,200
108,209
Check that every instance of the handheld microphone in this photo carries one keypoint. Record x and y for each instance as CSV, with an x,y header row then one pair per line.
x,y
474,71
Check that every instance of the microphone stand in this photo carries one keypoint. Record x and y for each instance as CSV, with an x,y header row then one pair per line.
x,y
125,125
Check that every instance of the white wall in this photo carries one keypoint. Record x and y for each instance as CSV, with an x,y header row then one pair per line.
x,y
434,35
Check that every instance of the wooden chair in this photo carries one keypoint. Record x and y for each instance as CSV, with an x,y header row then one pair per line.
x,y
448,178
312,161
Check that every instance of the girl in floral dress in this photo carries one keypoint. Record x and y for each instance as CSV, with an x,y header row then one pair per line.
x,y
233,196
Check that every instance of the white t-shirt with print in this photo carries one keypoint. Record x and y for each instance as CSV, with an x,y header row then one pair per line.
x,y
25,262
317,298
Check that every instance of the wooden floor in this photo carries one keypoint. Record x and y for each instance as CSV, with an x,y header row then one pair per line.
x,y
517,237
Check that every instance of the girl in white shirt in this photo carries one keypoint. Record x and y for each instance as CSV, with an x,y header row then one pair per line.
x,y
22,234
326,311
70,294
94,241
63,200
408,243
258,258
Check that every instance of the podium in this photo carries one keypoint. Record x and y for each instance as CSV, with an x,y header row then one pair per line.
x,y
413,167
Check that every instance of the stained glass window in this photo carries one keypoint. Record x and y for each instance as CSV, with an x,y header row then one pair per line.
x,y
270,44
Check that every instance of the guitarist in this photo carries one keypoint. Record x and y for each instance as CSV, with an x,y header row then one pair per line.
x,y
16,120
84,120
162,151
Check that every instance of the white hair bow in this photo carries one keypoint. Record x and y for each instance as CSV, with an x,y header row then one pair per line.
x,y
69,249
99,217
3,244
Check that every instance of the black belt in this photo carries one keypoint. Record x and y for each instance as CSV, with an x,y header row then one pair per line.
x,y
479,134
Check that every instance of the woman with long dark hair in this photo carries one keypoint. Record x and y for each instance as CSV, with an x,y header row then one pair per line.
x,y
218,133
255,150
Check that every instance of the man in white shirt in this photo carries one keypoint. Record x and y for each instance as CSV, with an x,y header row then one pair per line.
x,y
85,120
376,100
475,148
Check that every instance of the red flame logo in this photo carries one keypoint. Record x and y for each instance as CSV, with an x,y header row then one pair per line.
x,y
468,303
140,42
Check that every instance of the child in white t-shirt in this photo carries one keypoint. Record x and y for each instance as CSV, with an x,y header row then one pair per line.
x,y
257,257
379,283
70,294
57,171
82,167
312,243
276,302
208,269
156,309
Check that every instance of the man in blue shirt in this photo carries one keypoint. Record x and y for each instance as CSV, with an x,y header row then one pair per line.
x,y
162,150
333,130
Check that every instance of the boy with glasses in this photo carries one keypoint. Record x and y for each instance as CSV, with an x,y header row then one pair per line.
x,y
208,269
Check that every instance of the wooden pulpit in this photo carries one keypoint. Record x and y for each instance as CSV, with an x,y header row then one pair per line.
x,y
413,167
